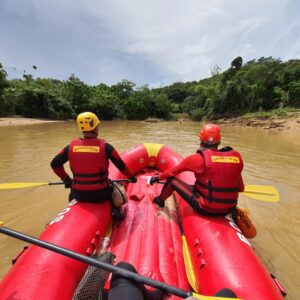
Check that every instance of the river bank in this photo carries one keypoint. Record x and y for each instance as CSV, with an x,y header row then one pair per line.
x,y
291,122
15,121
288,123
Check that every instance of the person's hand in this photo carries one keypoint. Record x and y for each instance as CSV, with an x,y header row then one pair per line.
x,y
133,179
154,179
68,181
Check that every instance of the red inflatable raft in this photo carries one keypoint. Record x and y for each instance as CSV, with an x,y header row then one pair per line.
x,y
149,238
42,274
221,256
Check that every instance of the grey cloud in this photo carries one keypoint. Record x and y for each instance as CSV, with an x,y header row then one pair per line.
x,y
147,42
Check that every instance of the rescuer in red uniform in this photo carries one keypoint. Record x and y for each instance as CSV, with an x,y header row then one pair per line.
x,y
89,158
218,174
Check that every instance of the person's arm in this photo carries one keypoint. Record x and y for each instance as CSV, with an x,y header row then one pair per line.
x,y
193,163
57,163
241,184
113,155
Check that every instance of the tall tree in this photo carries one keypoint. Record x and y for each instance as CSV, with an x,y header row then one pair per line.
x,y
237,63
3,85
77,93
123,89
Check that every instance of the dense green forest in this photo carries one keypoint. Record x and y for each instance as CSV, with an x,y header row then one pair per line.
x,y
264,84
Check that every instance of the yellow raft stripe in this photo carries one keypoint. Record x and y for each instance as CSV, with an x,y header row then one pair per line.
x,y
153,149
189,268
202,297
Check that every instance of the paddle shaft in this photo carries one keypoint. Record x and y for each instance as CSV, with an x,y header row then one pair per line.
x,y
125,273
120,180
260,192
179,218
19,185
113,180
55,183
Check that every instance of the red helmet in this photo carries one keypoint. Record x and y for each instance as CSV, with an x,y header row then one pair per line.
x,y
210,134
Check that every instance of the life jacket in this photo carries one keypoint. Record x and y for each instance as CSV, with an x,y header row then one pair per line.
x,y
89,164
218,187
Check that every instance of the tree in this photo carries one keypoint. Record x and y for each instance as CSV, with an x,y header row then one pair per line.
x,y
146,103
294,94
3,85
162,105
176,92
237,63
215,70
263,84
123,89
77,93
103,102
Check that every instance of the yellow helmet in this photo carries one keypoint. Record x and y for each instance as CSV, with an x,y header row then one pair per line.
x,y
87,121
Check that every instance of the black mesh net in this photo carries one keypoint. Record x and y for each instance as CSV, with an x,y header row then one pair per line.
x,y
94,279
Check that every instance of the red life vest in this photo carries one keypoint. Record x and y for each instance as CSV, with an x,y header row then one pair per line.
x,y
89,164
218,187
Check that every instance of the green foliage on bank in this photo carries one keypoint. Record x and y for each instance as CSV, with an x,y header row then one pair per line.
x,y
285,112
259,86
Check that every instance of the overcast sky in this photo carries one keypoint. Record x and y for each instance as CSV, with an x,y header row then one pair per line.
x,y
155,42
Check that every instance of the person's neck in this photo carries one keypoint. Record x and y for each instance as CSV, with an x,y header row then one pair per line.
x,y
90,134
206,146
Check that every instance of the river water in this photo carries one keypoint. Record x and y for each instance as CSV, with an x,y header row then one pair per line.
x,y
270,158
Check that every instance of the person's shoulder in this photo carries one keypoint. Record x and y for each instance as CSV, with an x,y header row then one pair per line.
x,y
102,142
226,149
194,156
229,149
109,146
76,139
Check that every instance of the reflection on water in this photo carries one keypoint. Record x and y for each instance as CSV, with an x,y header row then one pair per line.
x,y
271,158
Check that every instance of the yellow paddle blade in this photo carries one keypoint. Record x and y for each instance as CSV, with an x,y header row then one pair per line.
x,y
262,193
197,296
189,266
20,185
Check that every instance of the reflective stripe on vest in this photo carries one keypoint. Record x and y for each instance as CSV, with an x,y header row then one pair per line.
x,y
89,164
